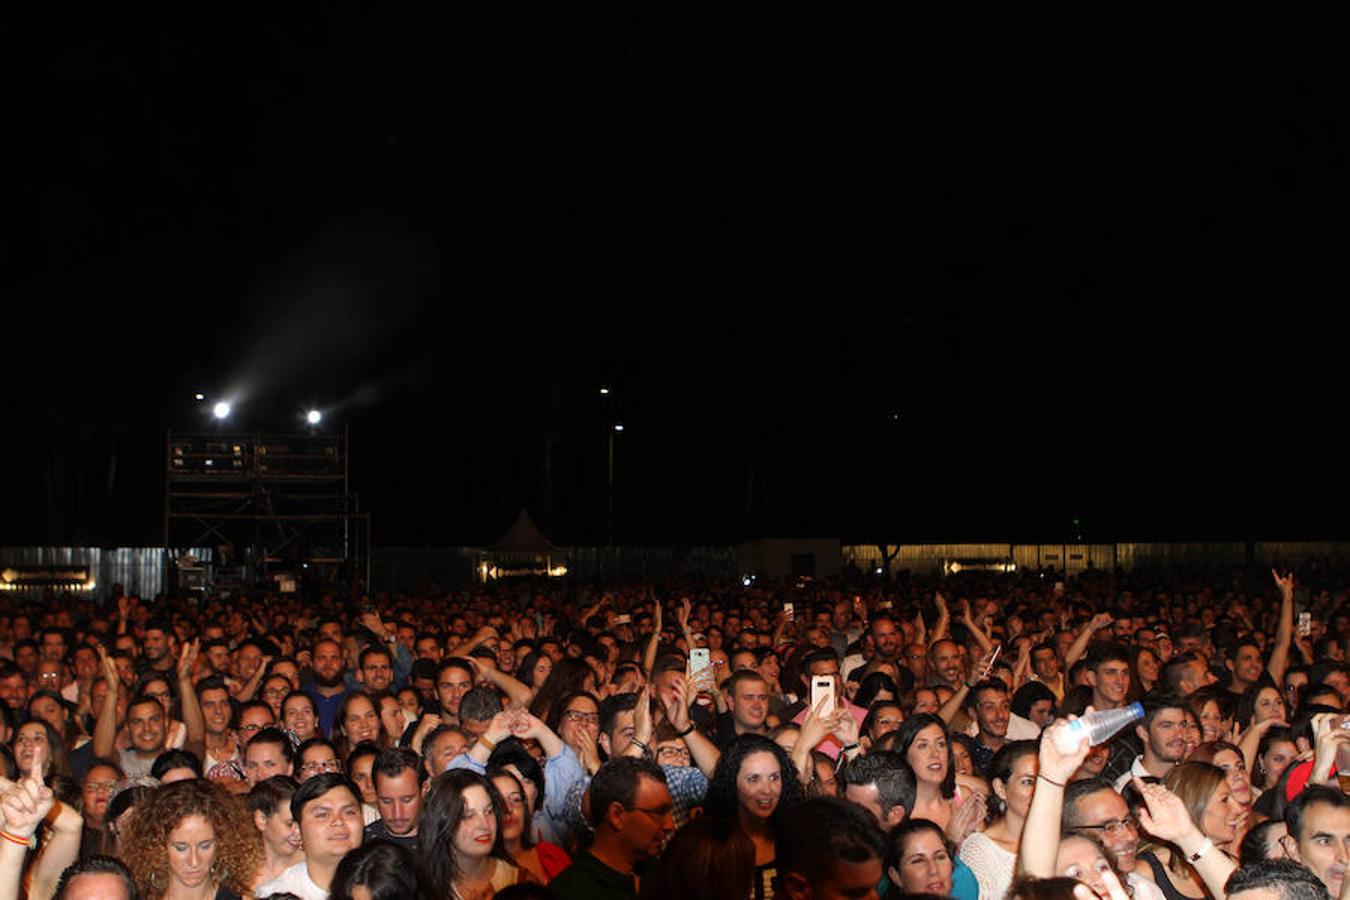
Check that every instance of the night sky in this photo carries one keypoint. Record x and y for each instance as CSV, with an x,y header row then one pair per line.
x,y
837,291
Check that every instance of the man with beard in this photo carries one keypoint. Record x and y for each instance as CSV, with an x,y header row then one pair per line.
x,y
156,648
399,785
329,685
887,639
944,664
990,709
145,721
1046,668
1163,733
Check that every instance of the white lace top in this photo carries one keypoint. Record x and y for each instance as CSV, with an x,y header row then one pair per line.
x,y
993,866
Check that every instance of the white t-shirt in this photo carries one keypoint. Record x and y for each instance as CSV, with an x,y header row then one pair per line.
x,y
294,880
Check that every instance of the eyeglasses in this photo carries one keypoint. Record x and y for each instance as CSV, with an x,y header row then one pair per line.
x,y
659,812
576,715
672,753
100,787
326,765
1113,827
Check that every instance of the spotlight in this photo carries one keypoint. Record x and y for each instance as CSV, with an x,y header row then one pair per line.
x,y
618,427
604,390
220,410
199,396
313,417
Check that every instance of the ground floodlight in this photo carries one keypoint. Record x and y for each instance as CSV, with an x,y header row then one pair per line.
x,y
313,417
221,410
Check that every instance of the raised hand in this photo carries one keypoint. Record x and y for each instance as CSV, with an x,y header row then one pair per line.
x,y
524,725
985,666
1100,620
428,723
1056,765
188,659
816,726
846,728
27,803
109,668
682,615
1285,584
675,701
501,726
642,719
966,817
1164,815
372,621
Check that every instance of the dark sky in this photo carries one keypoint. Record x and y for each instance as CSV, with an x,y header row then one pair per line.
x,y
838,290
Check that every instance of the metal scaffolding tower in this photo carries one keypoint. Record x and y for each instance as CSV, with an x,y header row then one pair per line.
x,y
276,510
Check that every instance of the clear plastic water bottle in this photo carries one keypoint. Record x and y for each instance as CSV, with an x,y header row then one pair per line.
x,y
1099,727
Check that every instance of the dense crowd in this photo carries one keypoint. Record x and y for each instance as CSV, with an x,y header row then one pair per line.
x,y
682,739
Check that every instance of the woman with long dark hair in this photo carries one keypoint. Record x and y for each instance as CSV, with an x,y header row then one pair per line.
x,y
459,838
992,853
382,871
754,785
544,861
357,721
569,677
924,742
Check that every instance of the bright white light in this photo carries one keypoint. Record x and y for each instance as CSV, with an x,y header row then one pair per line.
x,y
746,579
879,570
604,390
199,396
313,417
618,428
220,410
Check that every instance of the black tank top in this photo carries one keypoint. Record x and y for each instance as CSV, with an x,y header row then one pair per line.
x,y
1161,877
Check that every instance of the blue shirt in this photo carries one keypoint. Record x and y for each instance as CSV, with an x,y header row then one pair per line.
x,y
561,774
326,707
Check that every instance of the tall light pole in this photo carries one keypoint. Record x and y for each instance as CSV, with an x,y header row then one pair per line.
x,y
611,427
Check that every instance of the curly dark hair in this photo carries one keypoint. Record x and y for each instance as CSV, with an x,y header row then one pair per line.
x,y
238,844
722,799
